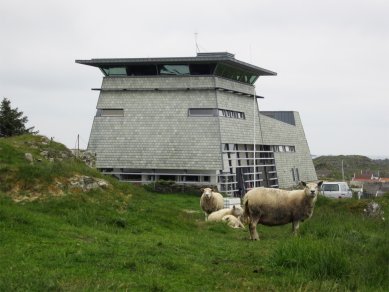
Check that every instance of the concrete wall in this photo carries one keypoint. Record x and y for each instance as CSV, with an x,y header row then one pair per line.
x,y
156,131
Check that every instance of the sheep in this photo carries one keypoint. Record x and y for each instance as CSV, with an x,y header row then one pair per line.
x,y
210,201
236,211
232,221
273,207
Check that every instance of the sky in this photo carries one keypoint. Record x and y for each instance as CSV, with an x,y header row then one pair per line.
x,y
331,56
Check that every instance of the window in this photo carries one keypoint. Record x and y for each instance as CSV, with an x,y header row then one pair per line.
x,y
297,174
283,148
173,69
293,176
115,71
202,112
330,187
202,69
191,178
231,114
235,74
141,70
110,113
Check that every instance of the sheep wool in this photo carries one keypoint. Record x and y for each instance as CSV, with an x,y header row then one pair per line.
x,y
273,207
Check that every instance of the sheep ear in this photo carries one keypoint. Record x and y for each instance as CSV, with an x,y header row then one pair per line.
x,y
233,207
303,183
319,183
214,188
202,190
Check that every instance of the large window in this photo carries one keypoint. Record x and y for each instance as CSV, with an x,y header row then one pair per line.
x,y
202,112
235,74
214,112
173,69
115,71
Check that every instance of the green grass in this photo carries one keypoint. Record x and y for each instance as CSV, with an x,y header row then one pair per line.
x,y
126,238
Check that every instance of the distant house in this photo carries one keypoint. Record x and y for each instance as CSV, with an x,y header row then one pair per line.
x,y
360,179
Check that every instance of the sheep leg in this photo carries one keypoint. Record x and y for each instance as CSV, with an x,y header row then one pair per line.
x,y
253,229
295,227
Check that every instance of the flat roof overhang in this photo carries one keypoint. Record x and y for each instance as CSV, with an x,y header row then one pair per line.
x,y
201,58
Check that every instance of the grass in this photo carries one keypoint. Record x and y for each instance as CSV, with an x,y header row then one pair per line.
x,y
126,238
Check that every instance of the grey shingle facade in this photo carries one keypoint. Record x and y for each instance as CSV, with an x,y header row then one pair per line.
x,y
144,129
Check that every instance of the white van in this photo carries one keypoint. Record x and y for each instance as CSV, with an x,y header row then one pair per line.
x,y
336,190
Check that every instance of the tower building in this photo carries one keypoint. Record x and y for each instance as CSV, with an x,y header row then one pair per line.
x,y
194,120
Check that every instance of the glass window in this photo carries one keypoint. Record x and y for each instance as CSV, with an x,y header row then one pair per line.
x,y
115,71
141,70
201,69
330,187
294,178
173,69
235,74
203,112
192,178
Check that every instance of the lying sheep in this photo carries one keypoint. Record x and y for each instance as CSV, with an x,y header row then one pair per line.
x,y
278,207
210,201
232,221
236,211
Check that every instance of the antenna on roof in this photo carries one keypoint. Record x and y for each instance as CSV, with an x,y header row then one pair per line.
x,y
197,46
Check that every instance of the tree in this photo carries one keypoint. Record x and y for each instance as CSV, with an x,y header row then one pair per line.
x,y
12,122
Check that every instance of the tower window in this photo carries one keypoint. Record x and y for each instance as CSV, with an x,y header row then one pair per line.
x,y
203,112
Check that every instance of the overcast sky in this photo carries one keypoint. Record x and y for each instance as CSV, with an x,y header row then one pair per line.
x,y
331,56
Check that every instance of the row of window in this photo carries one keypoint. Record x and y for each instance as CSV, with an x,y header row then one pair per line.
x,y
215,112
193,112
283,148
222,70
249,147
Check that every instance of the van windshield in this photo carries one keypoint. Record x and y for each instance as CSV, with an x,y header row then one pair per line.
x,y
330,188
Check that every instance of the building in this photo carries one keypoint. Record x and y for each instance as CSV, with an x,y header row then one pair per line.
x,y
194,120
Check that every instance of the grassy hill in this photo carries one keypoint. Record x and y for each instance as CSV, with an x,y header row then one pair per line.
x,y
122,237
330,167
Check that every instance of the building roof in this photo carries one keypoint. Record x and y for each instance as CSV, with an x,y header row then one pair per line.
x,y
219,59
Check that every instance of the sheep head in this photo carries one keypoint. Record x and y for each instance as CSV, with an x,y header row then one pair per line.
x,y
207,193
311,189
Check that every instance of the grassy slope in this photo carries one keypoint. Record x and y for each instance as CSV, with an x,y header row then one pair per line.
x,y
330,167
128,238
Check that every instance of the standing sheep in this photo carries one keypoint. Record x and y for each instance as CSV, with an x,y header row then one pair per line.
x,y
210,201
278,207
236,211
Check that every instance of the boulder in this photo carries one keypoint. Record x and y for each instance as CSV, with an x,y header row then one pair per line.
x,y
29,158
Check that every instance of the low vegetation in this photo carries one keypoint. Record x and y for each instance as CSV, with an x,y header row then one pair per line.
x,y
127,238
330,167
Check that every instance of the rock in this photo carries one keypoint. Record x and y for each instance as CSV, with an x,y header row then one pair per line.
x,y
86,183
374,209
44,153
29,158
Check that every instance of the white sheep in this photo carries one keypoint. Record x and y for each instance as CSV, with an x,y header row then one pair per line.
x,y
278,207
232,221
236,211
210,201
